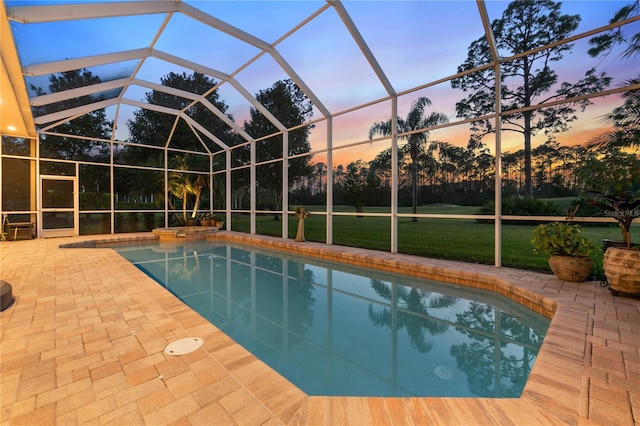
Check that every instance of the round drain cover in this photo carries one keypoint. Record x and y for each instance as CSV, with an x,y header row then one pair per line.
x,y
444,372
183,346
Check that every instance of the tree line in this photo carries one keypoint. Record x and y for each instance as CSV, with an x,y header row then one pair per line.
x,y
459,175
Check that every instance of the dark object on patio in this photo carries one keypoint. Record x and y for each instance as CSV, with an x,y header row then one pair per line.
x,y
16,229
7,295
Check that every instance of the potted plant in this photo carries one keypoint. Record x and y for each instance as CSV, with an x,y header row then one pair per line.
x,y
217,222
205,219
621,262
569,252
616,192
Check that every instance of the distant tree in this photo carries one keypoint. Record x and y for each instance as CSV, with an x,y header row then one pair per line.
x,y
547,155
149,127
528,80
416,142
355,184
91,125
603,43
339,174
512,168
292,108
381,166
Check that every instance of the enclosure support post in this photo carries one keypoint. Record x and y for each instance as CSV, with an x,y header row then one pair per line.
x,y
285,185
329,200
394,174
227,193
252,187
498,126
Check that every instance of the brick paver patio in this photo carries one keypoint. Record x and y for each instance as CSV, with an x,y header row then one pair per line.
x,y
84,344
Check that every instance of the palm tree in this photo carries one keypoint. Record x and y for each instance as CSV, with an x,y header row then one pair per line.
x,y
626,118
416,141
181,185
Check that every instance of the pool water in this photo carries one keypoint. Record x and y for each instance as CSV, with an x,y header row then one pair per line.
x,y
334,329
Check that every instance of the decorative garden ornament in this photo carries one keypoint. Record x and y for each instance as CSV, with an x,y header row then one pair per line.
x,y
301,214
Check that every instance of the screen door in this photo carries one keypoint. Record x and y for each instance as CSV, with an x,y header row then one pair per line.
x,y
59,206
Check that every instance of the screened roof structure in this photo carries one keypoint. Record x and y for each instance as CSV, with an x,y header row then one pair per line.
x,y
343,55
131,45
357,62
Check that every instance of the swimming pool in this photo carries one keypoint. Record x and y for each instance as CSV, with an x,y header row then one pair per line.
x,y
334,329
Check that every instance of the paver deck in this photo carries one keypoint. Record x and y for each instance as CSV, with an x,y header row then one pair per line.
x,y
84,344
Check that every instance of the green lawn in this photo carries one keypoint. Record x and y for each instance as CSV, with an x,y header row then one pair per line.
x,y
464,240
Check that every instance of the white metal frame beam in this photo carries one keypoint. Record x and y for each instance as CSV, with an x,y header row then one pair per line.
x,y
222,26
85,62
78,92
71,12
491,41
38,14
364,48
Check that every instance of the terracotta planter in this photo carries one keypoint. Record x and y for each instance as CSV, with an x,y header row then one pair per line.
x,y
622,269
218,223
205,222
569,268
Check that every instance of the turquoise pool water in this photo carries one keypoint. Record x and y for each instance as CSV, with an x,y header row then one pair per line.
x,y
334,329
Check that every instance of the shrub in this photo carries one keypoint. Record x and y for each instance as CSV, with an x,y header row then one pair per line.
x,y
561,239
523,206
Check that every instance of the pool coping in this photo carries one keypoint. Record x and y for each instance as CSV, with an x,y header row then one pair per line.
x,y
587,367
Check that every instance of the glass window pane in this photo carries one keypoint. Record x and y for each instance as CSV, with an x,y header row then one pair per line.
x,y
138,156
94,188
269,224
138,221
95,223
18,146
269,186
219,191
219,162
57,220
138,189
62,148
17,178
57,169
240,196
57,194
354,231
435,238
185,161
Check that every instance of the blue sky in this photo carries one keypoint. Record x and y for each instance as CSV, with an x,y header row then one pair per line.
x,y
415,42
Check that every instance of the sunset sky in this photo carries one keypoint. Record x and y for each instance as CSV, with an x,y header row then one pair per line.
x,y
415,42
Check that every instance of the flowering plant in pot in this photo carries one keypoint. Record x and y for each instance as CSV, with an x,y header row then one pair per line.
x,y
569,252
205,219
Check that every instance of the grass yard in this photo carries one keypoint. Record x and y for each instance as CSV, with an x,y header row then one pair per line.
x,y
456,239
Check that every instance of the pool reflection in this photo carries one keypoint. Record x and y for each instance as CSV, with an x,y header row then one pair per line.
x,y
338,330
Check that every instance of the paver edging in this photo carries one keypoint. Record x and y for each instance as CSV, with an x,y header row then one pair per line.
x,y
549,297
